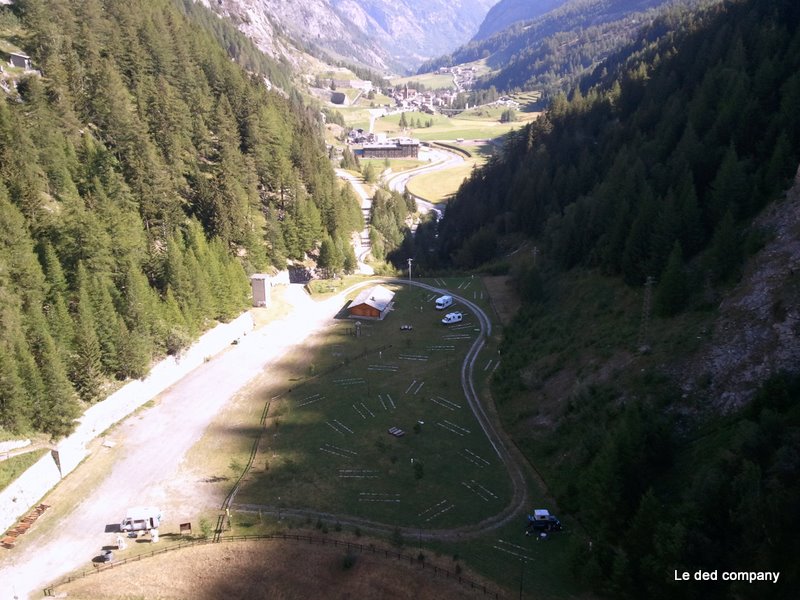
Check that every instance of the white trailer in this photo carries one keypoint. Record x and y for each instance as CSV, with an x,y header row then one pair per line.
x,y
141,518
443,302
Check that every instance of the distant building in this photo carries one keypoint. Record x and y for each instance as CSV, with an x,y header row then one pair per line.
x,y
261,284
23,61
372,303
396,148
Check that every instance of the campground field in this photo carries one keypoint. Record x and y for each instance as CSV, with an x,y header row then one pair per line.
x,y
331,448
326,466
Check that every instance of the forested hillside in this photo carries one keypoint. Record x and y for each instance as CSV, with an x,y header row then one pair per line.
x,y
552,52
658,165
143,173
672,148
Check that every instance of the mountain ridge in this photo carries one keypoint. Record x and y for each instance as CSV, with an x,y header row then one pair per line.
x,y
380,34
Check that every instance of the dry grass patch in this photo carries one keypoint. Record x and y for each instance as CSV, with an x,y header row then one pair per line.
x,y
505,299
279,570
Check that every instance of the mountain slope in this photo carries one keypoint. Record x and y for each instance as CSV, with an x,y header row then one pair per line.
x,y
551,52
377,33
412,30
280,26
663,413
506,13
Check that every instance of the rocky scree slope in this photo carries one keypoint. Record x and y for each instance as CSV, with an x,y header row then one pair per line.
x,y
757,330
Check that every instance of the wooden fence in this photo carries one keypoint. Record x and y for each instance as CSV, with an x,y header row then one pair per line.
x,y
322,541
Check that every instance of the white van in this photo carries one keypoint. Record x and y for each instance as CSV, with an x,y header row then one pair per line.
x,y
141,518
443,302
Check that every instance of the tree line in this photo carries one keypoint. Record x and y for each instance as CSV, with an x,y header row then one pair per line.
x,y
551,53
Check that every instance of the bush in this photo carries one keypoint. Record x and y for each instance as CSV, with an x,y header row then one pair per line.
x,y
205,528
397,538
349,561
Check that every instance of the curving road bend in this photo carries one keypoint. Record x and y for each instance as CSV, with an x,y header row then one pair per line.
x,y
440,160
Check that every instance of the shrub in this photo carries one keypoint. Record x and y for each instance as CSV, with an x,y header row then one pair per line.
x,y
349,561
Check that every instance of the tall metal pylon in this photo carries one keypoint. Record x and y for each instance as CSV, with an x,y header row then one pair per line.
x,y
647,305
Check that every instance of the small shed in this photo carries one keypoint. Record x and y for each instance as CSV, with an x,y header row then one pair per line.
x,y
372,303
260,282
17,59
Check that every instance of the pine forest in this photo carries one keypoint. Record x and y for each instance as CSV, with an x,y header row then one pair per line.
x,y
144,173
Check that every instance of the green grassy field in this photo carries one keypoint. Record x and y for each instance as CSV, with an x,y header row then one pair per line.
x,y
331,451
528,101
440,185
483,113
475,126
395,164
15,466
377,101
432,81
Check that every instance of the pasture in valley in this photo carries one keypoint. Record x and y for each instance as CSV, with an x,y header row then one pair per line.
x,y
328,445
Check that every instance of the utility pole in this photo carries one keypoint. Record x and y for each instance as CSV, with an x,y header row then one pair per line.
x,y
410,260
647,305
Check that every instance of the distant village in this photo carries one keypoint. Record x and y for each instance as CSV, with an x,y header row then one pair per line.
x,y
403,98
406,97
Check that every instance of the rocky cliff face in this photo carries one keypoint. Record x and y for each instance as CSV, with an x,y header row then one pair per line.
x,y
383,34
415,30
757,330
277,25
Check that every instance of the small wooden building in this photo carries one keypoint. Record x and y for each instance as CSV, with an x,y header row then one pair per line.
x,y
17,59
261,284
372,303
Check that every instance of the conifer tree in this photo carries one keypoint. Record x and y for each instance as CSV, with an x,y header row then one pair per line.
x,y
134,353
673,287
13,410
725,250
106,326
54,405
86,359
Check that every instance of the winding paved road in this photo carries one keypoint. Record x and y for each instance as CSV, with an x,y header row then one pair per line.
x,y
440,160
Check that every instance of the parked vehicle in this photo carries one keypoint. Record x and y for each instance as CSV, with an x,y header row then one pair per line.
x,y
541,521
443,302
453,317
141,518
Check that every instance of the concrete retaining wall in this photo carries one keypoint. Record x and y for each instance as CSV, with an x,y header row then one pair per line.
x,y
13,445
29,488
